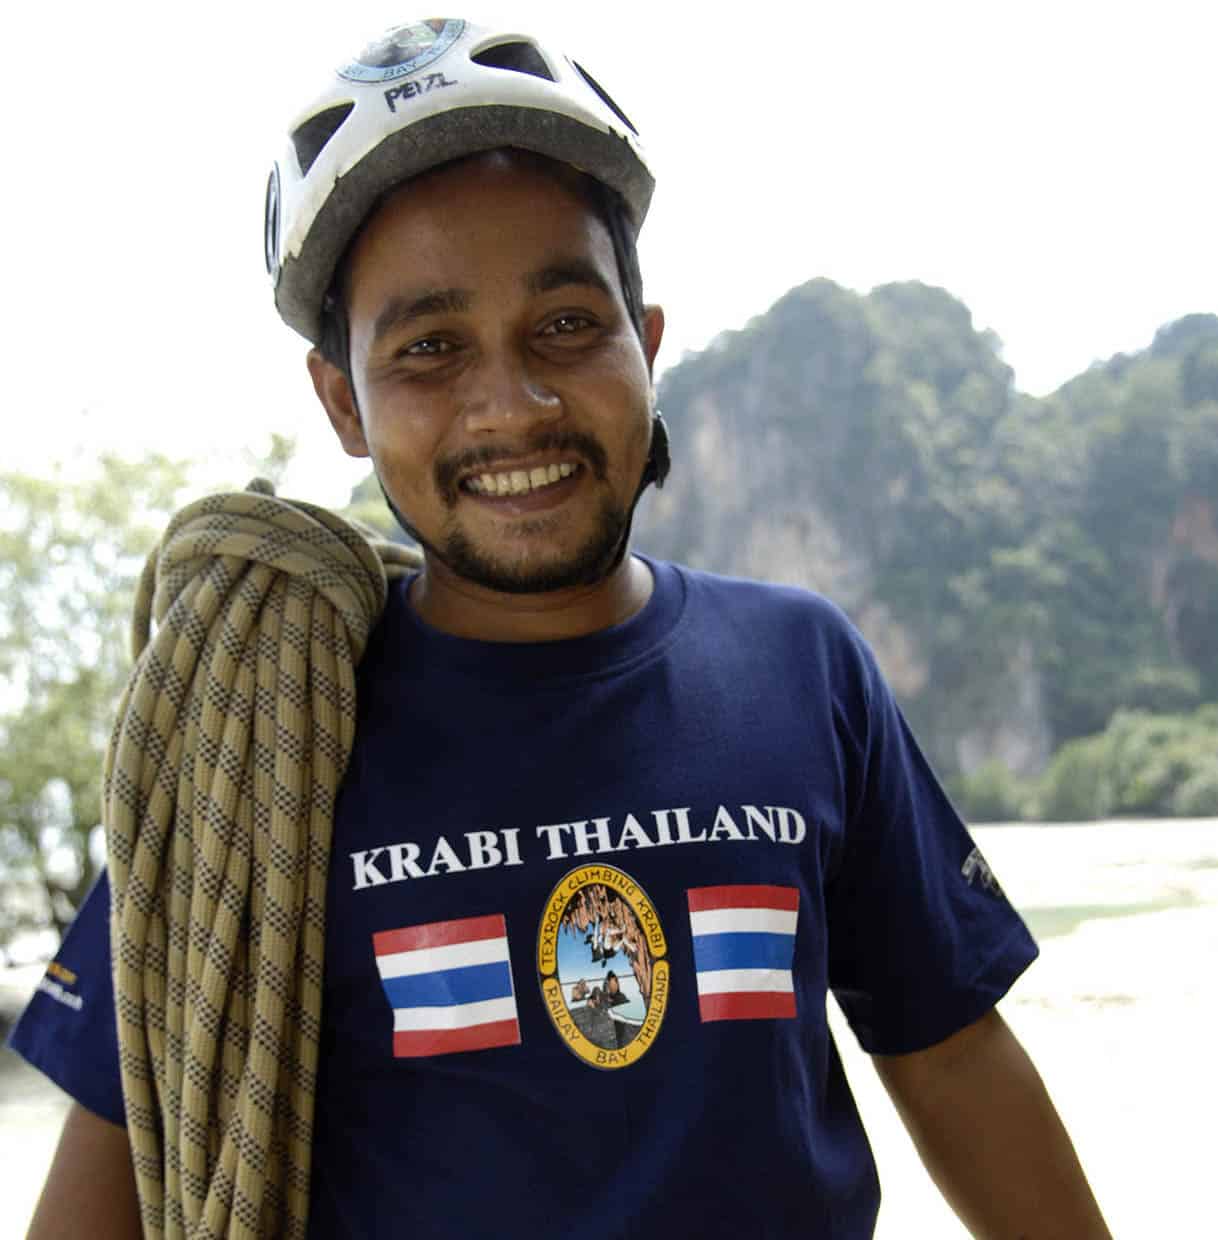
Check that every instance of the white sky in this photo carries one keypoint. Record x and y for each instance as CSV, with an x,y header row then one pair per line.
x,y
1051,164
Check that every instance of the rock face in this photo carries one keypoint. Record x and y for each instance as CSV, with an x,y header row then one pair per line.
x,y
875,449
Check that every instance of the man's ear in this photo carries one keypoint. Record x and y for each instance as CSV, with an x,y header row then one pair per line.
x,y
333,389
653,333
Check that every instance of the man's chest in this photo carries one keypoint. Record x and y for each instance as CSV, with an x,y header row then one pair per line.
x,y
579,887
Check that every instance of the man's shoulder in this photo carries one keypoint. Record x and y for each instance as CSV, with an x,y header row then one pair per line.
x,y
772,601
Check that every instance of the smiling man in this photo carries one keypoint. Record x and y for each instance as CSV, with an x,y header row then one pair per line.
x,y
568,753
503,390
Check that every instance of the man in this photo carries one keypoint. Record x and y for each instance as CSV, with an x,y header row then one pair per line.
x,y
613,990
550,726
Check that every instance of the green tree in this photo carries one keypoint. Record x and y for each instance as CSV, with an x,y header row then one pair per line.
x,y
71,550
275,461
367,506
1142,764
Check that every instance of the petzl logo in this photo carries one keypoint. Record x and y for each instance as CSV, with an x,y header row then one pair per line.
x,y
403,50
600,960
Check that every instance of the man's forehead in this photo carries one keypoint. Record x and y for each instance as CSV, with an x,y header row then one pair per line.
x,y
473,174
458,225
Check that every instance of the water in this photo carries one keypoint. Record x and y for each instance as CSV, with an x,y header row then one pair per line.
x,y
1119,1014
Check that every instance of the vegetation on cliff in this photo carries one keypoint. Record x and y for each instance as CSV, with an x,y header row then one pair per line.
x,y
1025,568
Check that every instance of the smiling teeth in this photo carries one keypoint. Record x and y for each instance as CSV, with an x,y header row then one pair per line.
x,y
518,481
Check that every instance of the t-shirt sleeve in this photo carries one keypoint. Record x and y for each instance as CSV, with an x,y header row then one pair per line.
x,y
922,940
68,1029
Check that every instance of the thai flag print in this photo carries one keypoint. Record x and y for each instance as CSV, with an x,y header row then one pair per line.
x,y
744,947
449,985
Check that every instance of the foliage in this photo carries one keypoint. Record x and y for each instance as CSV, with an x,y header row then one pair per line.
x,y
71,549
368,507
991,793
273,464
1141,764
1077,787
1197,796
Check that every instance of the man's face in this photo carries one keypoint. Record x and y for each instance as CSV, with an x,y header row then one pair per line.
x,y
503,394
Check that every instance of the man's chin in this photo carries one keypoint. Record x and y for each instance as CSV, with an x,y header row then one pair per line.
x,y
525,573
535,574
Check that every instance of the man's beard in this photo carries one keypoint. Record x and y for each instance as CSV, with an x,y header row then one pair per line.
x,y
601,552
585,567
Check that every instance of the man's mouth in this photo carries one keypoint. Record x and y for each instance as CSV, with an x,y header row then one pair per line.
x,y
518,481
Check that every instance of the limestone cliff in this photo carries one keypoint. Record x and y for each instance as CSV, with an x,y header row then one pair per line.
x,y
1021,567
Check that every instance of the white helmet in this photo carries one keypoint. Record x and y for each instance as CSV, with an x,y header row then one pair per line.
x,y
420,95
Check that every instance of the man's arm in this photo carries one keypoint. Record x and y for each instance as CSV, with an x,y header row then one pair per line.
x,y
983,1123
90,1189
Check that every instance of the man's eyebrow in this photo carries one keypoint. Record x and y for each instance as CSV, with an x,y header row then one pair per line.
x,y
567,271
401,311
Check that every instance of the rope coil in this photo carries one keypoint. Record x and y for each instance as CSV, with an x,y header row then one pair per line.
x,y
219,787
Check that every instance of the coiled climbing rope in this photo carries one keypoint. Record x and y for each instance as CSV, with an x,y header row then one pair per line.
x,y
219,789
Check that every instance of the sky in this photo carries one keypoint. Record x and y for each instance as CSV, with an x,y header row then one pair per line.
x,y
1050,164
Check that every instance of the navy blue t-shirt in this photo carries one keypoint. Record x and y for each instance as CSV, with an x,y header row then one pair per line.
x,y
587,899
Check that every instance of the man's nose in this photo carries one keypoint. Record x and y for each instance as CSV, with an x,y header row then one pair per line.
x,y
504,393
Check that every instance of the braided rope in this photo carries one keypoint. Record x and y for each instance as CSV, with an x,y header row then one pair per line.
x,y
219,788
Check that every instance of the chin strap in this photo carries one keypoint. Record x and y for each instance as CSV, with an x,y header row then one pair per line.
x,y
659,461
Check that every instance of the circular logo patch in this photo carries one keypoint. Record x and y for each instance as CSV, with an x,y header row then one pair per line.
x,y
404,50
600,960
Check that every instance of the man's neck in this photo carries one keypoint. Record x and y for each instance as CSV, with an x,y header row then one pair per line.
x,y
463,609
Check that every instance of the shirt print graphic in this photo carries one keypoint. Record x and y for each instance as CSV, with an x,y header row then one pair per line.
x,y
449,985
601,964
744,948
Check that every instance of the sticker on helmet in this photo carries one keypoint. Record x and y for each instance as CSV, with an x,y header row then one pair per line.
x,y
404,50
600,962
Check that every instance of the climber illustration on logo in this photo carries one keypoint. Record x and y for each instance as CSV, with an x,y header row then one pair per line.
x,y
600,961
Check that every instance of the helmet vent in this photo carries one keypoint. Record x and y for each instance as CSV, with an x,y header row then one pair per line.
x,y
606,98
518,57
311,137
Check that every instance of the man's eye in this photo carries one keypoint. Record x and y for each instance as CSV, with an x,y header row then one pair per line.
x,y
431,346
566,325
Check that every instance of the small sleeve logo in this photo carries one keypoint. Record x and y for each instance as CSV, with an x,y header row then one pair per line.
x,y
977,870
58,982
